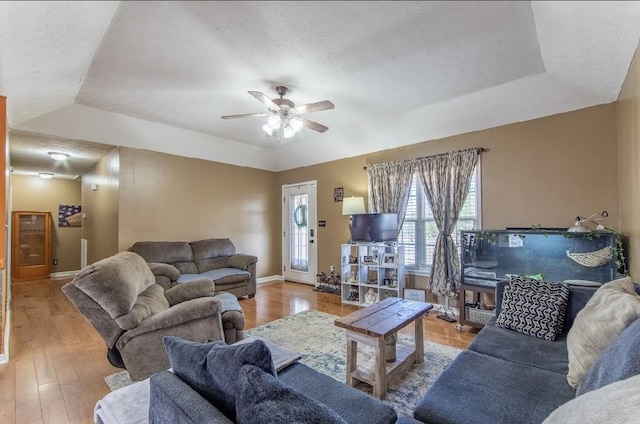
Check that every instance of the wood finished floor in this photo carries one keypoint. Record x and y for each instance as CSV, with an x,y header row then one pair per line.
x,y
57,361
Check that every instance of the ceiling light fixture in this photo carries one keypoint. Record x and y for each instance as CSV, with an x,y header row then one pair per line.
x,y
282,124
45,175
58,155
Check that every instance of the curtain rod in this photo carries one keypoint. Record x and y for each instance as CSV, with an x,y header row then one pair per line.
x,y
478,149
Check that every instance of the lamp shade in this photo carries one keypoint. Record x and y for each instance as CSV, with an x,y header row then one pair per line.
x,y
353,205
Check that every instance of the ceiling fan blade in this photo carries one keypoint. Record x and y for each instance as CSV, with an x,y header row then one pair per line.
x,y
314,107
264,99
246,115
313,125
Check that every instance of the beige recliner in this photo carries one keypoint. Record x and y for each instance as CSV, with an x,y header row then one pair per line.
x,y
119,296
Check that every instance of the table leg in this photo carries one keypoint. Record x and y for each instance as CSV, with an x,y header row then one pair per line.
x,y
352,360
380,386
419,340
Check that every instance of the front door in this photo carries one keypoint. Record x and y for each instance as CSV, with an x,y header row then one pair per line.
x,y
299,246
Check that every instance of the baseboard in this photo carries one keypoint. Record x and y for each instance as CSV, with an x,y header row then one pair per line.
x,y
269,280
4,357
63,275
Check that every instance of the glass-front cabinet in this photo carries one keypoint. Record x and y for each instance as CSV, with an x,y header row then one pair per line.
x,y
31,245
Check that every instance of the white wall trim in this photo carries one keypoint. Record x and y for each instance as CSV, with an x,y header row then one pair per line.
x,y
62,275
263,281
4,358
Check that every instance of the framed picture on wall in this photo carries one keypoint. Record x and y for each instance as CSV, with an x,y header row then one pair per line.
x,y
69,215
338,194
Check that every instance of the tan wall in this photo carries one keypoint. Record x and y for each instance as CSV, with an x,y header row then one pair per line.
x,y
166,197
101,207
544,171
32,193
346,173
628,108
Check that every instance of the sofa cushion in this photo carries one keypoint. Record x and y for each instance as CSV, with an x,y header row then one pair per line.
x,y
618,403
212,369
224,276
212,253
174,401
115,282
516,347
167,252
220,276
535,308
620,360
149,302
337,395
613,307
480,389
263,399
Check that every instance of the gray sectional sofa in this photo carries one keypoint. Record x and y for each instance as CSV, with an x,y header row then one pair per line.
x,y
168,398
508,377
175,262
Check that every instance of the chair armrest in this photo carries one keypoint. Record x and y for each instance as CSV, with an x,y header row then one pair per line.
x,y
241,261
192,290
166,270
182,312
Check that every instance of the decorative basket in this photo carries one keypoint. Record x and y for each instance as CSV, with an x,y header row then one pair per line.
x,y
481,316
592,259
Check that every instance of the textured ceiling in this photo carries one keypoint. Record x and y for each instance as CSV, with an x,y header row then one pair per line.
x,y
158,75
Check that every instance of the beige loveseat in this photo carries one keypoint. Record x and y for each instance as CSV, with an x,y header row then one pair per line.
x,y
174,262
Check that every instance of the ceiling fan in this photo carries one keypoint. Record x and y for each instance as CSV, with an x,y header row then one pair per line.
x,y
284,118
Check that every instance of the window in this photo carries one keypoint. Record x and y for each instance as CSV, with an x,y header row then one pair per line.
x,y
419,231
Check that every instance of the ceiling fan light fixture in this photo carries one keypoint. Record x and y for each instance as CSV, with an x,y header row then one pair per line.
x,y
296,124
268,129
288,132
58,155
274,121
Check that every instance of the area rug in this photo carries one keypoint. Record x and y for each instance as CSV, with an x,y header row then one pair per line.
x,y
323,347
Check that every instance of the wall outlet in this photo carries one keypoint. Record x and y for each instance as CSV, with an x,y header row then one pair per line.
x,y
55,262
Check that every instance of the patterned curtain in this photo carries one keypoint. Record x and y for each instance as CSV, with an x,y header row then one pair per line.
x,y
445,179
389,185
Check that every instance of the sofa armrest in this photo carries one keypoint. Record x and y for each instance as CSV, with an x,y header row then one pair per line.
x,y
166,275
241,261
182,312
174,401
203,287
167,270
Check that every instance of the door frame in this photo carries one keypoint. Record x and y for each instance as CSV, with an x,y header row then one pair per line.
x,y
313,251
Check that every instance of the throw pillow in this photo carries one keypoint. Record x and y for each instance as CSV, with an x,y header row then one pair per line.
x,y
264,399
611,309
211,369
535,308
620,360
616,403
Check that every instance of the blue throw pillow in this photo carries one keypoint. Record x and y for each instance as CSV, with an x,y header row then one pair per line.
x,y
211,369
264,399
619,361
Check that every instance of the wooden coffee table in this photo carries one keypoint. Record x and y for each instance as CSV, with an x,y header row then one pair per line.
x,y
371,326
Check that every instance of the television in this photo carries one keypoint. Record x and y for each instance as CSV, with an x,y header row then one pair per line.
x,y
374,227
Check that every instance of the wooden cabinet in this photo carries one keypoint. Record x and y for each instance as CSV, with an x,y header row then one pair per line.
x,y
31,245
